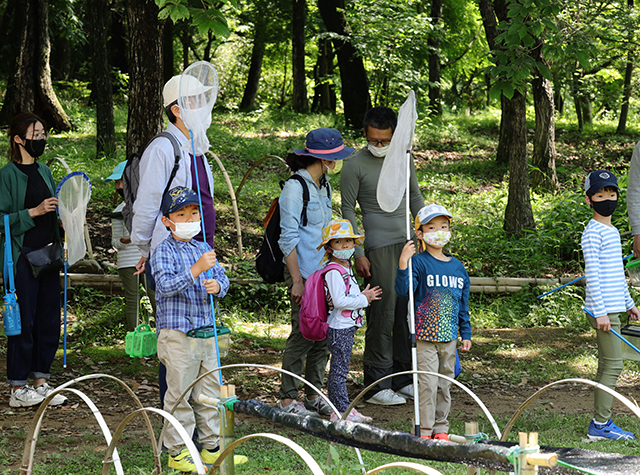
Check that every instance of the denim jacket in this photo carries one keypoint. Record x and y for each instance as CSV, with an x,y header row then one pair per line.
x,y
293,234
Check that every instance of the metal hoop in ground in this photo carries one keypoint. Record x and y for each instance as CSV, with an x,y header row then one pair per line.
x,y
280,370
634,408
457,383
66,386
416,467
36,424
186,438
304,455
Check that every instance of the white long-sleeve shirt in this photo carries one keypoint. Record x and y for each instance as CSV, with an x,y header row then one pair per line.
x,y
347,306
128,254
156,164
607,290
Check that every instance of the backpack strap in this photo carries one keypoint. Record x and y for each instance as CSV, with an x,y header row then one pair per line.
x,y
176,152
305,195
343,272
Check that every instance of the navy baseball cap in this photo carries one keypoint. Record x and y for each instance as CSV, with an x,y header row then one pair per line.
x,y
326,144
177,198
599,179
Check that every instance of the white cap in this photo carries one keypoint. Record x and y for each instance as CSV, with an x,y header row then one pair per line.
x,y
190,83
429,212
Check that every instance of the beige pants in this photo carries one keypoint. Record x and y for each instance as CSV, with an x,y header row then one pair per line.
x,y
186,359
435,399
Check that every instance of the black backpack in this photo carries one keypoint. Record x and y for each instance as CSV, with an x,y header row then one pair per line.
x,y
131,177
269,259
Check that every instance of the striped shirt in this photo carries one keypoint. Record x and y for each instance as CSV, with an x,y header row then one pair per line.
x,y
182,301
607,290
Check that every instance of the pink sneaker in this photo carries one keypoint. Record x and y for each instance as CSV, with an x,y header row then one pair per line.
x,y
354,416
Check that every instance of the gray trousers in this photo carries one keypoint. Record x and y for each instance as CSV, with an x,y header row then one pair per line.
x,y
387,347
301,354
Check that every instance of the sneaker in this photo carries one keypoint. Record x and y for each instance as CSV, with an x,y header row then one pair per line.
x,y
296,407
24,397
354,416
318,405
386,397
183,462
425,437
608,431
441,436
210,457
45,390
406,392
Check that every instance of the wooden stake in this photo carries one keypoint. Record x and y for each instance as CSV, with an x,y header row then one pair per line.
x,y
471,428
227,431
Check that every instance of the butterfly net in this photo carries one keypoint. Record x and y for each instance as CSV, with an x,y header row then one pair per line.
x,y
197,96
73,193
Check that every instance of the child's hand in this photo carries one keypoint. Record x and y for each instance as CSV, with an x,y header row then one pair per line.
x,y
634,313
408,250
206,262
466,345
372,294
212,286
603,323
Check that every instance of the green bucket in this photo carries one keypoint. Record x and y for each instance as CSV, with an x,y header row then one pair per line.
x,y
141,342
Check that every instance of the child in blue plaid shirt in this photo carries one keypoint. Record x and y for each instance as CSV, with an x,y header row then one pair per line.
x,y
180,264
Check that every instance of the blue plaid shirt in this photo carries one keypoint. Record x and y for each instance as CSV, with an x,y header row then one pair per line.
x,y
182,301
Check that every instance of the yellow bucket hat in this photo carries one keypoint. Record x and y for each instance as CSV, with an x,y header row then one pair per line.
x,y
338,229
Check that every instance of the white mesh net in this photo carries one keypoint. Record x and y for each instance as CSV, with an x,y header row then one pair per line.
x,y
73,193
393,176
197,96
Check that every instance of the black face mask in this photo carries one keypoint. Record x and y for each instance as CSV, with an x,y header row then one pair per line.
x,y
604,208
35,147
120,191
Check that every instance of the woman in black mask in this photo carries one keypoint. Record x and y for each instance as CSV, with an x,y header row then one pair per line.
x,y
27,193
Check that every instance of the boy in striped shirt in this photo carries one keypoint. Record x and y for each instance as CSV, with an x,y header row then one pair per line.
x,y
607,296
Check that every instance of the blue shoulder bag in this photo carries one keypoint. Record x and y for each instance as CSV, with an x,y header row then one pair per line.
x,y
11,314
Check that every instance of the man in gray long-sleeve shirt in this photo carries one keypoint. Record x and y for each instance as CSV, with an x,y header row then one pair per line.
x,y
387,343
633,199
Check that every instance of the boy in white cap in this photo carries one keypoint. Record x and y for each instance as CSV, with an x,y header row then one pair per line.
x,y
345,303
441,303
607,296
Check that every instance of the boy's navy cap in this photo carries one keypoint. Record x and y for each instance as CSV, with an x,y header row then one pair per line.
x,y
177,198
598,180
117,172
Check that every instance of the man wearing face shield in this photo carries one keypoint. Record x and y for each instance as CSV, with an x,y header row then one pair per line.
x,y
387,342
156,165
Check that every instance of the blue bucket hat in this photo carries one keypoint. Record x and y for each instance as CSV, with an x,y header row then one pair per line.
x,y
177,198
325,144
116,174
599,179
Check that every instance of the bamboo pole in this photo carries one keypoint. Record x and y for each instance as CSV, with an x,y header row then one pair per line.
x,y
227,430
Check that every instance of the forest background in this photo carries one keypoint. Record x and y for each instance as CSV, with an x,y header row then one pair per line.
x,y
517,101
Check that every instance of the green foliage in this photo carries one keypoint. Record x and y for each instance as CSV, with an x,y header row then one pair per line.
x,y
206,15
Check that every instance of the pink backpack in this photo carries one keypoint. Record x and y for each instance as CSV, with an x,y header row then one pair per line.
x,y
313,314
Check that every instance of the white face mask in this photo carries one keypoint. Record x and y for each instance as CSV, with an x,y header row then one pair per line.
x,y
186,230
378,152
437,238
344,255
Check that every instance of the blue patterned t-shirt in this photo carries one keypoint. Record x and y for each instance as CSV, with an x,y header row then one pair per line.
x,y
441,297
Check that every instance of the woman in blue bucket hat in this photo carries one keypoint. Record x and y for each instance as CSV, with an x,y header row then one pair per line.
x,y
301,231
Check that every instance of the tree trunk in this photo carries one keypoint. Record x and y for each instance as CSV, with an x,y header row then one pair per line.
x,y
324,98
435,104
575,86
543,174
353,76
518,215
167,51
145,74
255,69
626,95
300,103
29,88
98,19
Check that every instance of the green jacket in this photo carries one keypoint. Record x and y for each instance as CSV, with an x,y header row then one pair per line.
x,y
13,189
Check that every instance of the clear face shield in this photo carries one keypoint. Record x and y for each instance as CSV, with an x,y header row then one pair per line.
x,y
197,96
